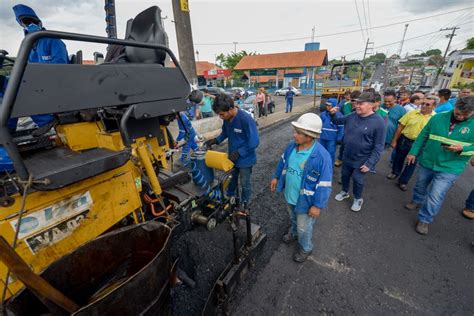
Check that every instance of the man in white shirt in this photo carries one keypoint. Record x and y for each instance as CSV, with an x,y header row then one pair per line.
x,y
414,104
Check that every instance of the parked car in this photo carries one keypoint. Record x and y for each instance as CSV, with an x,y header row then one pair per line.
x,y
283,91
249,105
425,89
215,91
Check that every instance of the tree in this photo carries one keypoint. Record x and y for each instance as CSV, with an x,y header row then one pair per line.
x,y
376,59
436,60
433,52
229,61
470,43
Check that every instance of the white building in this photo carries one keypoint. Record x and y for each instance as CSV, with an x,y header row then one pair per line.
x,y
453,58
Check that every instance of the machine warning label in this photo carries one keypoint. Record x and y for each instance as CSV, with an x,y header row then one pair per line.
x,y
54,234
37,221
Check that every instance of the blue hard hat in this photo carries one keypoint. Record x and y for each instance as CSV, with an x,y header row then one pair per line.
x,y
331,102
23,11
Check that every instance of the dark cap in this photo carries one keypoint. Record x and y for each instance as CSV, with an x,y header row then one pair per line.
x,y
366,97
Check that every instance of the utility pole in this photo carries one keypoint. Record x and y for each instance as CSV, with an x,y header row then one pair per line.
x,y
235,47
403,41
197,55
313,30
367,49
184,36
111,28
450,36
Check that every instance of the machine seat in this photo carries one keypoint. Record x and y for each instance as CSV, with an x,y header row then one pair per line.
x,y
62,166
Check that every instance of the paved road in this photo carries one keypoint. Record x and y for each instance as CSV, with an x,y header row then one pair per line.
x,y
371,262
280,103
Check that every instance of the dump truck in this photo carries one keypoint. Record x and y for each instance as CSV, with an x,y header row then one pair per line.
x,y
88,214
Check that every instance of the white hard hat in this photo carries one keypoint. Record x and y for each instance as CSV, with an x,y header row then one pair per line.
x,y
310,123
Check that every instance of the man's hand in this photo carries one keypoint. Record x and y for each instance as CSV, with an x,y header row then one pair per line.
x,y
333,110
410,159
175,145
273,185
393,144
314,212
210,142
454,148
233,156
364,169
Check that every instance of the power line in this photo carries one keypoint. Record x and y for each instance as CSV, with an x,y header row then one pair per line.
x,y
365,18
333,34
398,42
360,23
370,18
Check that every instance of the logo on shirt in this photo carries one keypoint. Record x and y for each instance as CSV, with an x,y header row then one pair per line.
x,y
237,130
465,130
294,172
47,57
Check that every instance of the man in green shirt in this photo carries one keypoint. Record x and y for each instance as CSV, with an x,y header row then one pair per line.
x,y
443,150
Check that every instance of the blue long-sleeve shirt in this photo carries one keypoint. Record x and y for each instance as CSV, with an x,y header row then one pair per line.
x,y
243,137
331,131
317,178
364,139
186,129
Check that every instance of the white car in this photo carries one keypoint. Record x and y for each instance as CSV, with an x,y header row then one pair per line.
x,y
283,91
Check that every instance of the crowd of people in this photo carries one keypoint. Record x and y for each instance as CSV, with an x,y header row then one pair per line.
x,y
432,134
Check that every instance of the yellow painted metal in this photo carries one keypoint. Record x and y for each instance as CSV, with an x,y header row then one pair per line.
x,y
112,141
78,136
144,152
218,160
113,194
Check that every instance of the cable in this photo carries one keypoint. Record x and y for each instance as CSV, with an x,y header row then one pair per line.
x,y
26,187
398,42
370,19
332,34
459,19
365,18
360,23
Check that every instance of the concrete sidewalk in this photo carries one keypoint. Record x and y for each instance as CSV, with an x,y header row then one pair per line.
x,y
211,127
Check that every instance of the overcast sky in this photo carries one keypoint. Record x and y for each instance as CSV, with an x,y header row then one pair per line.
x,y
289,23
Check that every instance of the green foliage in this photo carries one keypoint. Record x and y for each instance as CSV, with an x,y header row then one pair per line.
x,y
433,52
436,60
470,43
229,61
464,85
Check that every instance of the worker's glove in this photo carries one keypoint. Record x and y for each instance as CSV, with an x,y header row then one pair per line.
x,y
210,142
233,156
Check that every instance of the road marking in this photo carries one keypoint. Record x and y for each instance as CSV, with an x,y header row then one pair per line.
x,y
397,295
333,264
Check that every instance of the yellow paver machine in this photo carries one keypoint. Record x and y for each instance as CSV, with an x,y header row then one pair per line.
x,y
88,214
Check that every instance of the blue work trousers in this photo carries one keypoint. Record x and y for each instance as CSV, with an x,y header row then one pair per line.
x,y
357,176
302,227
242,174
430,190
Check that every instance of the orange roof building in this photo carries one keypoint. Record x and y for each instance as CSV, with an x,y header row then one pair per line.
x,y
304,59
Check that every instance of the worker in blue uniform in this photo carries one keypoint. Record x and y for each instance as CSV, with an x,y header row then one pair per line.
x,y
45,50
331,133
188,134
242,134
